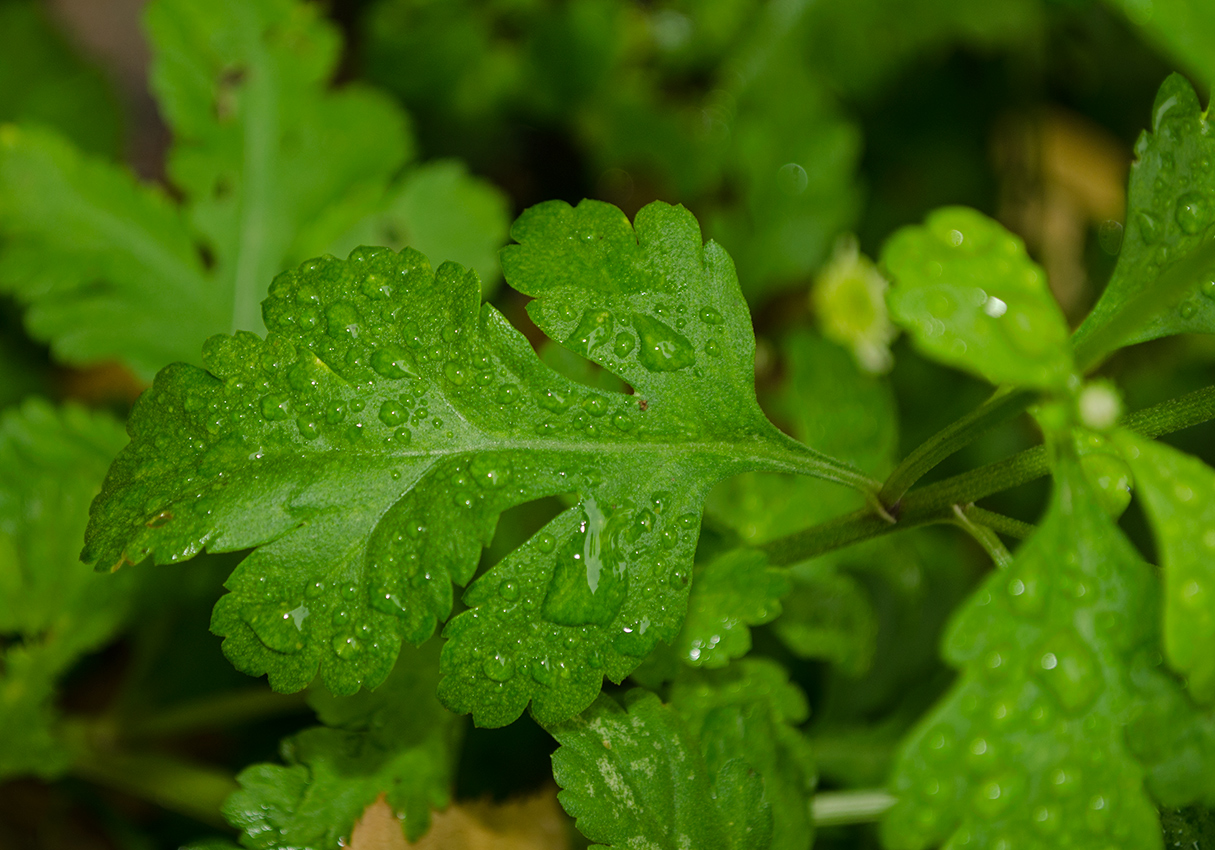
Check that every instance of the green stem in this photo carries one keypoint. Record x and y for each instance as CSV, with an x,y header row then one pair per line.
x,y
195,790
215,711
997,410
999,523
984,536
934,502
840,808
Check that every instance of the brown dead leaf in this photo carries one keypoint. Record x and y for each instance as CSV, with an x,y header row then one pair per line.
x,y
528,823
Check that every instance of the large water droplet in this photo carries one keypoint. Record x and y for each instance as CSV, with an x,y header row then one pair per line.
x,y
588,585
1193,212
276,627
1149,228
499,667
394,362
342,321
623,345
393,413
346,646
274,407
1071,671
663,349
593,331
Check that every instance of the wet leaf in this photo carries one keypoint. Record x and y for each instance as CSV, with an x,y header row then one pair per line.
x,y
1028,747
970,297
635,776
366,447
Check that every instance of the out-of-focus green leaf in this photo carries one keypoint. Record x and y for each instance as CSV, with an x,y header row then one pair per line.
x,y
42,81
273,165
53,609
637,777
1028,748
828,615
749,711
396,740
970,297
1178,493
1170,210
1183,28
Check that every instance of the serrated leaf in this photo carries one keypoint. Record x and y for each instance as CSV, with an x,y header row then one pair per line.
x,y
366,447
396,741
1170,208
970,297
635,777
52,609
1178,493
273,166
749,712
1028,748
729,594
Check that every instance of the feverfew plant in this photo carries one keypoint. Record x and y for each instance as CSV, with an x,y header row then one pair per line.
x,y
431,536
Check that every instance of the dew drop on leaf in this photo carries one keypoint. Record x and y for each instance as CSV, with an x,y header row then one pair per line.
x,y
499,667
663,349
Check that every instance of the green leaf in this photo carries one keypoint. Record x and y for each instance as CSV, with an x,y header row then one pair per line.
x,y
636,777
445,213
1178,493
273,165
52,609
729,594
749,712
1184,28
367,446
396,740
971,297
1028,748
829,615
1170,208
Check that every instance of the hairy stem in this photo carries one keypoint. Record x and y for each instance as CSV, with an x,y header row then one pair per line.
x,y
934,502
954,437
984,536
840,808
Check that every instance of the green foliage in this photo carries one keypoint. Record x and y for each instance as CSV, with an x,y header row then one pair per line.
x,y
52,609
367,746
1028,746
637,776
970,296
274,167
370,415
1169,209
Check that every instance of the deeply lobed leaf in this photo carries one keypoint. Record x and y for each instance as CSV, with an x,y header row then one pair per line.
x,y
367,445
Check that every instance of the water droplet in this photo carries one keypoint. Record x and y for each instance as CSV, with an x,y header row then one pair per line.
x,y
274,407
1188,309
508,590
593,331
454,372
792,179
1149,228
340,617
623,345
545,542
392,413
1193,212
622,421
402,436
499,667
554,401
393,362
542,671
342,321
663,349
595,405
508,394
346,646
712,348
313,589
276,627
1071,671
349,592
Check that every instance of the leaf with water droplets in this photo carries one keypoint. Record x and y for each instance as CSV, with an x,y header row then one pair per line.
x,y
750,711
638,777
366,447
1178,493
1028,748
729,594
272,165
368,747
1170,210
970,297
52,609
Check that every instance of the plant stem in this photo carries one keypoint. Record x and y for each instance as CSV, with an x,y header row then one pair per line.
x,y
840,808
995,411
216,711
934,502
195,790
984,536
